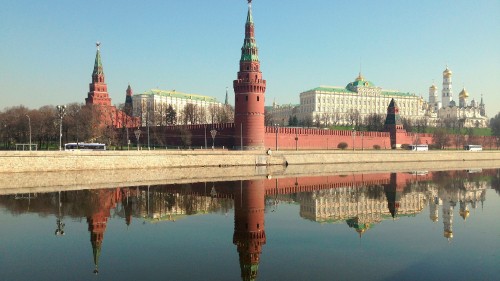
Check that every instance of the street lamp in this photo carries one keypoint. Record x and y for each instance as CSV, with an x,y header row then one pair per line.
x,y
29,123
276,129
296,141
137,136
213,133
353,137
61,109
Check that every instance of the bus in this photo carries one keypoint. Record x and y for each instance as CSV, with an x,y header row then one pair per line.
x,y
84,146
473,147
418,147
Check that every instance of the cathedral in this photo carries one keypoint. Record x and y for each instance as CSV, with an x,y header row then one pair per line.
x,y
468,114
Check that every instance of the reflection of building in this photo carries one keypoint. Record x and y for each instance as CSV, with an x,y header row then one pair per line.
x,y
361,207
249,235
104,201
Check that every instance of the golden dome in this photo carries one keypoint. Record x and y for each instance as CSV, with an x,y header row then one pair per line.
x,y
464,214
360,77
447,72
433,87
434,218
448,234
463,94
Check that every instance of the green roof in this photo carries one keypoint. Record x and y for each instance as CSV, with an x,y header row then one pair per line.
x,y
332,89
181,95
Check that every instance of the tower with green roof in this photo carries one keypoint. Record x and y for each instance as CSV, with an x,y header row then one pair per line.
x,y
98,90
249,91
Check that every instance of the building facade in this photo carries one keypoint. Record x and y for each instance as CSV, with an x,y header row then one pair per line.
x,y
350,105
155,105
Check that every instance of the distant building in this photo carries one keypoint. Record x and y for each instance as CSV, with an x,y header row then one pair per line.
x,y
463,114
153,105
328,105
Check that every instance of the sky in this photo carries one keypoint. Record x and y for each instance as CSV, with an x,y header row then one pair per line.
x,y
47,48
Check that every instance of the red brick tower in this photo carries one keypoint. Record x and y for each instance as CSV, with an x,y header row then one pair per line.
x,y
98,90
249,234
128,109
394,125
249,90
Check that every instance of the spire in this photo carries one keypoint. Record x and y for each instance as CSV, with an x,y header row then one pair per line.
x,y
249,50
98,64
226,102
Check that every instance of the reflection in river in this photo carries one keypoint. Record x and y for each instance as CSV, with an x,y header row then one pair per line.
x,y
358,201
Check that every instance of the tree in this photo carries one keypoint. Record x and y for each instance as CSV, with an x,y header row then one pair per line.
x,y
374,122
495,125
441,139
171,115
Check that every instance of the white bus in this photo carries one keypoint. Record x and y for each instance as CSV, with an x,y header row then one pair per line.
x,y
84,146
473,147
418,147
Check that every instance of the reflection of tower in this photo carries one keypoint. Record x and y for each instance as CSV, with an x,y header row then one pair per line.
x,y
249,91
249,234
393,192
448,219
447,92
102,202
433,208
464,210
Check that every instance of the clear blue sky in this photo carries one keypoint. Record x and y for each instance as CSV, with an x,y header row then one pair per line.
x,y
47,47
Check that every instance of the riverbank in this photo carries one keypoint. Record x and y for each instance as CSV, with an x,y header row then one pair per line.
x,y
59,161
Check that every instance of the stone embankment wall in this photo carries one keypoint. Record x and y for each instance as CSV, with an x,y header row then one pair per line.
x,y
40,161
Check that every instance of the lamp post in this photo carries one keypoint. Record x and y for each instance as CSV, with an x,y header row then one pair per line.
x,y
137,136
29,123
61,109
296,141
353,137
362,141
213,133
276,127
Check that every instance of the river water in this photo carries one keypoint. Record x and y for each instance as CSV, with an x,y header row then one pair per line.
x,y
386,226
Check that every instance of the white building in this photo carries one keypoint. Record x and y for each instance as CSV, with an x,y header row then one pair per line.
x,y
153,105
466,114
349,105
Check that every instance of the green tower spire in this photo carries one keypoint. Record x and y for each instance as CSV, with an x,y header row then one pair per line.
x,y
249,51
98,64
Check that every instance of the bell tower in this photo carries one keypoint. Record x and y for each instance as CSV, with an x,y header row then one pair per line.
x,y
249,90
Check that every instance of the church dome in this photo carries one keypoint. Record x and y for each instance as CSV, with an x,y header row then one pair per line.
x,y
463,94
447,72
464,214
433,87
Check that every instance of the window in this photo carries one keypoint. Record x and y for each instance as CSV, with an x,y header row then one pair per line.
x,y
258,98
246,98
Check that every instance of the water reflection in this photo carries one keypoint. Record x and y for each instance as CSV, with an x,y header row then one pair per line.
x,y
359,200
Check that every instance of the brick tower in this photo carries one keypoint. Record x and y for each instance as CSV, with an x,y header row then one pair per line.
x,y
249,235
249,90
98,90
394,125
